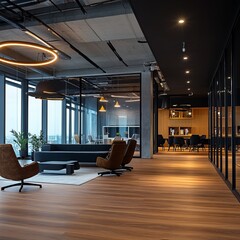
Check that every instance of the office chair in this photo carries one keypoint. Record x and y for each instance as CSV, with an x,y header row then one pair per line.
x,y
130,149
170,142
194,143
202,142
113,160
90,139
11,169
178,143
161,141
76,138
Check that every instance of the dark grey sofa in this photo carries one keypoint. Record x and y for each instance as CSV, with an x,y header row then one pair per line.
x,y
83,153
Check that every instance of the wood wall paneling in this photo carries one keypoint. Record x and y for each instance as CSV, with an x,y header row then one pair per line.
x,y
198,123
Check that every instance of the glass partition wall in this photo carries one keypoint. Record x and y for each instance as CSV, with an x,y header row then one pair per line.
x,y
110,109
224,107
101,109
236,100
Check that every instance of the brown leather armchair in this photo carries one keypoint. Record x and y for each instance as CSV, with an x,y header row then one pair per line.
x,y
131,145
11,169
113,160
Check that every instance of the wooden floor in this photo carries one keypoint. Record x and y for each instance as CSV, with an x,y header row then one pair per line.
x,y
172,196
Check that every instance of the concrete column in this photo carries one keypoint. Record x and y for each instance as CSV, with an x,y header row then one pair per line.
x,y
146,115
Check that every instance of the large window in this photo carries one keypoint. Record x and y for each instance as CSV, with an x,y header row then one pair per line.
x,y
34,114
71,122
13,110
54,123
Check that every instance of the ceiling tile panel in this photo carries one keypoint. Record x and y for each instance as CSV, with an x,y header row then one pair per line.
x,y
76,30
112,28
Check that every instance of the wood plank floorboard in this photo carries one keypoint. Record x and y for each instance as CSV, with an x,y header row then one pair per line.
x,y
173,196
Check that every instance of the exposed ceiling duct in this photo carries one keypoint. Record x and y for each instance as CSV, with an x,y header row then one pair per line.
x,y
27,13
158,76
24,3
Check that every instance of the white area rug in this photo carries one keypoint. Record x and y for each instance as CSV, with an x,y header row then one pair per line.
x,y
83,175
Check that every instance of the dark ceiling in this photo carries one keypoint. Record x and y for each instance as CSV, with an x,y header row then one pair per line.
x,y
205,32
103,37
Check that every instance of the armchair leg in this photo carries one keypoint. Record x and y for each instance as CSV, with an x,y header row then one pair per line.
x,y
21,184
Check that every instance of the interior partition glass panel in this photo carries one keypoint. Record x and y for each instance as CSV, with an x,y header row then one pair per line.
x,y
13,110
89,132
220,117
228,112
111,109
54,121
236,76
215,126
218,121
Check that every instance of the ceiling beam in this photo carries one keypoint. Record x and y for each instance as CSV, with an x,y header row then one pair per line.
x,y
81,6
91,72
52,15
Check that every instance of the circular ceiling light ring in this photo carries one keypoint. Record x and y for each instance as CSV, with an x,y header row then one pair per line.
x,y
28,45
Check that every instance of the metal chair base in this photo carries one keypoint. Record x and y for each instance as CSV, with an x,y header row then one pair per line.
x,y
118,173
22,183
127,168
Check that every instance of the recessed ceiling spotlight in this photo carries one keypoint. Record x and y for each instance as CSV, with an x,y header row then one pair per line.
x,y
188,82
181,21
189,89
185,58
183,47
229,77
187,72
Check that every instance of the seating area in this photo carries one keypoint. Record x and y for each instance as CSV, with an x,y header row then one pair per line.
x,y
118,157
114,161
181,143
82,153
